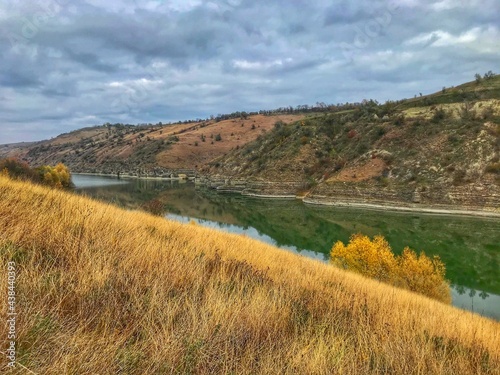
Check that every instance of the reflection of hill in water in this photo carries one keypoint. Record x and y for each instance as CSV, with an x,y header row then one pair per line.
x,y
468,246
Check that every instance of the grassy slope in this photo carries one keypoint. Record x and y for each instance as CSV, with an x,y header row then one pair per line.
x,y
102,290
471,91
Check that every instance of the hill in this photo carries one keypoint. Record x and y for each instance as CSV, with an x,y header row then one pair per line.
x,y
146,149
435,151
103,290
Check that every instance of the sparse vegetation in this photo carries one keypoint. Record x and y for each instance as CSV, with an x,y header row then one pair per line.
x,y
408,139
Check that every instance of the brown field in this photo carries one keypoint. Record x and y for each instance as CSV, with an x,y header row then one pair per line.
x,y
234,133
101,290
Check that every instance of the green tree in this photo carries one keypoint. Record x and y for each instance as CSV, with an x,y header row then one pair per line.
x,y
489,75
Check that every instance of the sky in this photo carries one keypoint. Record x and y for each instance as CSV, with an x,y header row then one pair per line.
x,y
68,64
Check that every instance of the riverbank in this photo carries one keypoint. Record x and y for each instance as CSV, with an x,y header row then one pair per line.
x,y
326,201
460,201
270,190
127,176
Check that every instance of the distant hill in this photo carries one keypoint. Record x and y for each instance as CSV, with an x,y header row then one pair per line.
x,y
439,149
148,148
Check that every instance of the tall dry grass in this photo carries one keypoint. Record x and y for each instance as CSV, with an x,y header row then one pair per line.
x,y
106,291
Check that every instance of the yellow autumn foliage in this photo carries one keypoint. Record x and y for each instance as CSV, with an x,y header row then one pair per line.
x,y
375,259
58,176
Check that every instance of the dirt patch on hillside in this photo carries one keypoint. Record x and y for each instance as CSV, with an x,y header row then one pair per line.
x,y
198,146
371,169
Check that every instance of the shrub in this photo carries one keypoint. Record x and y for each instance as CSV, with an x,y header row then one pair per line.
x,y
400,120
467,111
279,124
439,115
58,176
487,113
375,259
155,207
17,169
380,131
370,258
218,137
493,168
459,176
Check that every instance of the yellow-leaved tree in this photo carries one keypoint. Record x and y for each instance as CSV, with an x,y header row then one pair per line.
x,y
424,275
371,258
375,259
58,176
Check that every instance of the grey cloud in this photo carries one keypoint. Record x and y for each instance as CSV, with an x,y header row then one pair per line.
x,y
125,61
18,79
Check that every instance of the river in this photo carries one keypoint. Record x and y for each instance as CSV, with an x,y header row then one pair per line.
x,y
469,246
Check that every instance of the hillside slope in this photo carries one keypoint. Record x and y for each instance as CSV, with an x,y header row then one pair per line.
x,y
103,290
146,149
408,152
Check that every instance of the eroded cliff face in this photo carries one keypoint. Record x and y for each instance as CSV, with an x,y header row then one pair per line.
x,y
443,157
481,198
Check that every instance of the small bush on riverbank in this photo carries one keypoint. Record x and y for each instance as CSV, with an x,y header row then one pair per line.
x,y
375,259
58,176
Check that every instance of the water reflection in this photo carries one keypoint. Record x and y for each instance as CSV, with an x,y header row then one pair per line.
x,y
248,231
481,302
85,181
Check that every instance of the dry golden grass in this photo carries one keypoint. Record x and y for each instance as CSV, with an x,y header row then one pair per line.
x,y
103,291
453,108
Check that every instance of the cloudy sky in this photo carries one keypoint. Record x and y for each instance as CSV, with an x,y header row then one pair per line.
x,y
70,64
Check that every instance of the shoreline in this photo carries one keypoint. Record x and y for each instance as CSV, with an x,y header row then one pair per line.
x,y
404,209
388,207
129,177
